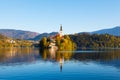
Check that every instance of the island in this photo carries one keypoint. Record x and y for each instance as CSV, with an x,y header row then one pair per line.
x,y
57,42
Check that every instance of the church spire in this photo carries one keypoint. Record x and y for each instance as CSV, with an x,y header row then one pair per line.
x,y
61,27
60,30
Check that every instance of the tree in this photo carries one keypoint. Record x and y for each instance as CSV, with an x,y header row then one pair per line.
x,y
43,43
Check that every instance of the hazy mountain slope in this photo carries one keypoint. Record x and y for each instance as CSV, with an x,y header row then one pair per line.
x,y
37,38
18,34
113,31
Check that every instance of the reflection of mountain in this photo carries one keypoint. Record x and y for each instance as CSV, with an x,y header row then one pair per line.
x,y
18,55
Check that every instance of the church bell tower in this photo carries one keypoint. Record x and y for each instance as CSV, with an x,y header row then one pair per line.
x,y
60,30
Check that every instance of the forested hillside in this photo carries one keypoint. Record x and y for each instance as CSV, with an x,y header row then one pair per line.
x,y
96,40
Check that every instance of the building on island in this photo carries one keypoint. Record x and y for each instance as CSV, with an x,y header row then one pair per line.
x,y
52,44
61,32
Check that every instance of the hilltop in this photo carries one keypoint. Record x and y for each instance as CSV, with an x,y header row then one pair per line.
x,y
112,31
40,36
18,34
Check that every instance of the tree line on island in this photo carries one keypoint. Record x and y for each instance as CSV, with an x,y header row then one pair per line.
x,y
63,43
57,42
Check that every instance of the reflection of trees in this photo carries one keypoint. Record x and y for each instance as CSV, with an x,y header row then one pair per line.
x,y
67,55
47,55
98,56
56,56
14,55
110,58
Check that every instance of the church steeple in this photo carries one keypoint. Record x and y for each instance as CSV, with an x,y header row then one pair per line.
x,y
60,30
61,27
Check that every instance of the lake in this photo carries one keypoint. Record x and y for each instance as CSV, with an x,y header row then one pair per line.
x,y
33,64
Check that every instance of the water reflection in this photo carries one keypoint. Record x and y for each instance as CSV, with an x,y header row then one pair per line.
x,y
33,64
105,57
58,56
13,56
109,57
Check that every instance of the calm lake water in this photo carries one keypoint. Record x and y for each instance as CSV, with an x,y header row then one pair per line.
x,y
32,64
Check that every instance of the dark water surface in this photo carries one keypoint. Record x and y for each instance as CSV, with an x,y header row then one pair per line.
x,y
32,64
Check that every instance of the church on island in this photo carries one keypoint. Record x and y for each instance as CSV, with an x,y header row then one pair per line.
x,y
57,42
52,44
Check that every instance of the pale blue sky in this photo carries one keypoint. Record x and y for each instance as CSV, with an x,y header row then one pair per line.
x,y
47,15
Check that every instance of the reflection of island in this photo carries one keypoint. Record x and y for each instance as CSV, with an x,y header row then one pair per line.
x,y
58,56
61,63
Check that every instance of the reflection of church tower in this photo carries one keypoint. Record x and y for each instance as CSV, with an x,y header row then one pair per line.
x,y
61,62
60,31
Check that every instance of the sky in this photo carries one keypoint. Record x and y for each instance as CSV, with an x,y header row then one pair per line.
x,y
47,15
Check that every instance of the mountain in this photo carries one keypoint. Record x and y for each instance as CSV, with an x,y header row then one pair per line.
x,y
18,34
28,35
37,38
113,31
3,37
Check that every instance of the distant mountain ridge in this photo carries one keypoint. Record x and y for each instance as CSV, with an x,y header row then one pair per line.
x,y
112,31
18,34
37,38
